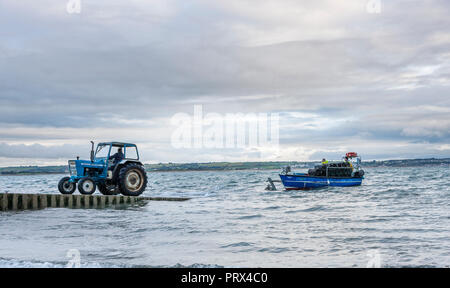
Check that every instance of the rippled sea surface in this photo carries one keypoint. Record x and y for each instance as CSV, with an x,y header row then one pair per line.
x,y
400,213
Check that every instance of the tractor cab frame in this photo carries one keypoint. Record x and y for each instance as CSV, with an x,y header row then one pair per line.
x,y
104,151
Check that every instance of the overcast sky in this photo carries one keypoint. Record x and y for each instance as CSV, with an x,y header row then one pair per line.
x,y
341,77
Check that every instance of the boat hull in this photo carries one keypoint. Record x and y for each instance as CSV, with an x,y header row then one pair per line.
x,y
304,181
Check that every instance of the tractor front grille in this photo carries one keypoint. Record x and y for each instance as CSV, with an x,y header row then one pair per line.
x,y
72,168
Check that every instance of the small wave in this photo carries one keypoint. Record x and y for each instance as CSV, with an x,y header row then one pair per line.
x,y
314,208
311,209
271,208
274,250
13,263
250,216
237,244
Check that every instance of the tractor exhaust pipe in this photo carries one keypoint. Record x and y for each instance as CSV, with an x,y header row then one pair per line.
x,y
92,151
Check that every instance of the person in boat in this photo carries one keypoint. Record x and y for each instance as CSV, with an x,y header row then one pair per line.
x,y
324,161
347,161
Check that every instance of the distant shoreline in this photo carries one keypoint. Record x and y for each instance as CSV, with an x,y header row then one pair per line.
x,y
31,174
228,166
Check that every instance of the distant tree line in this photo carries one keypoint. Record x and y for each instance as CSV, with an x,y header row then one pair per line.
x,y
222,166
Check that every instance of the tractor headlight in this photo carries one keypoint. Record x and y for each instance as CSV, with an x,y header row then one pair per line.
x,y
72,168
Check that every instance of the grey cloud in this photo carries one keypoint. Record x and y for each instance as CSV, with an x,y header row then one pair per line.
x,y
42,152
143,62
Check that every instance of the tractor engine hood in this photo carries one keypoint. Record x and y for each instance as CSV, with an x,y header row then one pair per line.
x,y
89,164
77,167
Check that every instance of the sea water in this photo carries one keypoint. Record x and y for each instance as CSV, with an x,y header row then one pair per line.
x,y
399,217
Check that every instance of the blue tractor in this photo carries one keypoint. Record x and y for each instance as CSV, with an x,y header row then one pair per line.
x,y
121,172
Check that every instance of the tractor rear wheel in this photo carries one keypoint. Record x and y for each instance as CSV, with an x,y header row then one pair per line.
x,y
132,180
65,186
105,191
86,186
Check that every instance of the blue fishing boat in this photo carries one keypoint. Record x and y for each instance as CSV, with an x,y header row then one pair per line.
x,y
337,174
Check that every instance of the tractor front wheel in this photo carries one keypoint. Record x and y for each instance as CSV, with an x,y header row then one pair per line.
x,y
86,186
65,186
132,180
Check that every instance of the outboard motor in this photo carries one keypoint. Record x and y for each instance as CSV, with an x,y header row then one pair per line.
x,y
286,170
359,173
